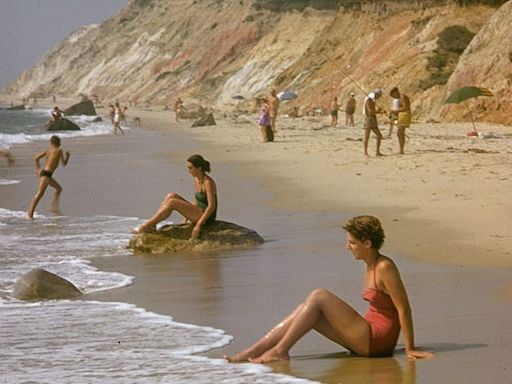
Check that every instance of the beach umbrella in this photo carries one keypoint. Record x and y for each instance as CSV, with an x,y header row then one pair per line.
x,y
286,95
466,93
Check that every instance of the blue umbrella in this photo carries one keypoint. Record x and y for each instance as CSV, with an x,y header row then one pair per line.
x,y
287,95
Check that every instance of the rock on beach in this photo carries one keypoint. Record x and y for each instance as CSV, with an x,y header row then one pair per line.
x,y
40,284
217,236
62,124
85,107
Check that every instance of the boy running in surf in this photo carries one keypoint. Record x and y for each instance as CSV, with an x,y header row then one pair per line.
x,y
53,155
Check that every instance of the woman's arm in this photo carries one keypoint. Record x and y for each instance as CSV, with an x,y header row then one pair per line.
x,y
390,277
211,191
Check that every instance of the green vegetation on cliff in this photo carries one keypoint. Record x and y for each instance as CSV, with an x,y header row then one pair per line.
x,y
451,43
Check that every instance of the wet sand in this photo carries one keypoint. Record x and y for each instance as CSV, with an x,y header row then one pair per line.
x,y
295,192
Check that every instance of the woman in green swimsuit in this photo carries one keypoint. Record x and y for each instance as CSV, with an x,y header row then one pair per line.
x,y
204,209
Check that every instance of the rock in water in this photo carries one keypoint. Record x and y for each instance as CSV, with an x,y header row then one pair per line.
x,y
39,284
85,107
205,120
62,125
220,235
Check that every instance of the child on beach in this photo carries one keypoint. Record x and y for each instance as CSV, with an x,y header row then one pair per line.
x,y
374,334
54,155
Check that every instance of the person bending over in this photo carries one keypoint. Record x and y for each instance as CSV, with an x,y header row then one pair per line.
x,y
374,334
202,211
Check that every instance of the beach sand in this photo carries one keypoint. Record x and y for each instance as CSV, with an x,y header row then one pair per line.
x,y
442,205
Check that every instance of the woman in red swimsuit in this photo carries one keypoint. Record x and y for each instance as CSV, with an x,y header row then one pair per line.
x,y
374,334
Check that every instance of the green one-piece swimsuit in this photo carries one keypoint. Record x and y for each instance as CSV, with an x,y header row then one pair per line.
x,y
202,203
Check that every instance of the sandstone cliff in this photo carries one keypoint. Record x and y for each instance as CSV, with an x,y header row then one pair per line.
x,y
209,51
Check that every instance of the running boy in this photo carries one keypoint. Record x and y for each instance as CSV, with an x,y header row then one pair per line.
x,y
53,155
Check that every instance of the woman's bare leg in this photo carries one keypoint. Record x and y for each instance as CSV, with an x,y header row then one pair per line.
x,y
266,342
329,315
172,202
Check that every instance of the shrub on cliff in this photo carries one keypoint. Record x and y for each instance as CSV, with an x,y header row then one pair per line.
x,y
451,43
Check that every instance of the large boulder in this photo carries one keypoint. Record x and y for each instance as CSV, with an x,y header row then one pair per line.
x,y
205,120
62,125
39,284
220,235
85,107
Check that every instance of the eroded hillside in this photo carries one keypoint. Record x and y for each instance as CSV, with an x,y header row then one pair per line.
x,y
209,51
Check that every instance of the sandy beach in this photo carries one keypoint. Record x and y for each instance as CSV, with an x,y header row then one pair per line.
x,y
442,205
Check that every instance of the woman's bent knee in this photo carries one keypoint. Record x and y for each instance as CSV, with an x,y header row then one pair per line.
x,y
319,294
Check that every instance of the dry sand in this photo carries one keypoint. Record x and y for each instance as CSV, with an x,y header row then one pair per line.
x,y
442,204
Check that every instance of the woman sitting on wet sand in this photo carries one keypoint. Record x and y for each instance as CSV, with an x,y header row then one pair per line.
x,y
375,334
204,209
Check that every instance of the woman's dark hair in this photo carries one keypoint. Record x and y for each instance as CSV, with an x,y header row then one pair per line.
x,y
199,162
366,228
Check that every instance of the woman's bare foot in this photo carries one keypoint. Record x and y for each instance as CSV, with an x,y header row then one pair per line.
x,y
270,356
241,356
143,228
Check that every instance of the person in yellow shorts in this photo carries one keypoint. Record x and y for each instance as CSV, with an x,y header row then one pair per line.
x,y
404,116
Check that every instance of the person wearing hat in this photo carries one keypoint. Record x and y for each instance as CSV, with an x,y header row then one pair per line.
x,y
350,108
370,110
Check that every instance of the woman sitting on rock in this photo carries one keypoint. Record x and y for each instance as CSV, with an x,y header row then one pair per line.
x,y
204,209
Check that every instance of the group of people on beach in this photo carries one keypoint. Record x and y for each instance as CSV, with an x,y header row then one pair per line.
x,y
399,115
374,334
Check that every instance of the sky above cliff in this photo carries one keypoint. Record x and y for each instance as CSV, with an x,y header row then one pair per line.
x,y
29,28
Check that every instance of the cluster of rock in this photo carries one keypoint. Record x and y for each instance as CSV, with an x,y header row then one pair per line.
x,y
85,107
199,115
218,236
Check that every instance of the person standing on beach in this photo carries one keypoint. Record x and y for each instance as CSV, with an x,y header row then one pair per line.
x,y
178,108
334,108
393,114
373,335
203,211
264,121
350,109
53,155
404,116
118,115
273,104
370,110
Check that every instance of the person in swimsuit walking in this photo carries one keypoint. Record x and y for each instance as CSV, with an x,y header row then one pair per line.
x,y
374,334
54,155
202,211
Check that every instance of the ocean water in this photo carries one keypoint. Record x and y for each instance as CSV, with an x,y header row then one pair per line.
x,y
81,341
19,127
